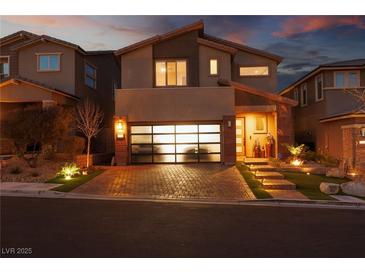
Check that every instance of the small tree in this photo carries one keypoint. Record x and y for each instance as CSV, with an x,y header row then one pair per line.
x,y
34,128
88,121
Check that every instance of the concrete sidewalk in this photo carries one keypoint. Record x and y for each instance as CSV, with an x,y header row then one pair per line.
x,y
26,187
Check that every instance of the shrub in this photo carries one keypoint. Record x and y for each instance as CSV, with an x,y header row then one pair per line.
x,y
69,170
15,170
275,162
34,174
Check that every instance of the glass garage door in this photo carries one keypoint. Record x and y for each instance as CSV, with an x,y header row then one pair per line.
x,y
175,143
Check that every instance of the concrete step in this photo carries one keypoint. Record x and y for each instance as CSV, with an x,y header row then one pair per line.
x,y
256,161
268,175
278,184
261,168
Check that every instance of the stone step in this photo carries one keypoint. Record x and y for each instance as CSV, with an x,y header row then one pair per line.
x,y
278,184
261,168
268,175
256,161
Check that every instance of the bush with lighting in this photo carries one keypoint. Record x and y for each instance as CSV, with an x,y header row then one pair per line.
x,y
69,170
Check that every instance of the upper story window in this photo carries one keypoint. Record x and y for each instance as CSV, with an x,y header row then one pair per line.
x,y
213,67
48,61
347,79
4,66
170,73
319,88
296,94
90,76
303,95
254,71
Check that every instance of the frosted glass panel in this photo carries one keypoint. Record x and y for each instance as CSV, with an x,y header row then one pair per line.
x,y
164,138
186,158
164,148
142,158
141,129
209,148
210,157
163,129
188,148
141,139
181,73
164,158
141,149
186,128
209,128
160,74
186,138
209,138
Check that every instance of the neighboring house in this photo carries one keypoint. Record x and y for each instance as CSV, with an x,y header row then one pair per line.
x,y
328,119
42,70
190,97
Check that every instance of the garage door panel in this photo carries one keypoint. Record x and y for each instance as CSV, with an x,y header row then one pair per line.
x,y
187,143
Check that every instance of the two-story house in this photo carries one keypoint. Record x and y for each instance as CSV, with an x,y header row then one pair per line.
x,y
328,118
190,97
42,70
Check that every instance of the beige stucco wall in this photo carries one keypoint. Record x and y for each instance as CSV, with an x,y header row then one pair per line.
x,y
63,80
261,82
175,104
224,66
137,68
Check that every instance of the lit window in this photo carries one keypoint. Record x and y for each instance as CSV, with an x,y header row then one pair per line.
x,y
303,95
4,66
296,94
48,62
170,73
213,66
319,88
347,79
90,76
260,124
254,71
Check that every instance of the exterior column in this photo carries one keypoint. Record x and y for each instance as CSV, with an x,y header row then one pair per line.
x,y
285,129
229,140
353,150
121,140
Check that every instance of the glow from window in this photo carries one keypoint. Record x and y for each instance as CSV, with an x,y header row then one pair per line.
x,y
186,138
209,138
254,71
190,148
209,128
163,138
141,139
213,66
141,129
186,128
163,129
170,73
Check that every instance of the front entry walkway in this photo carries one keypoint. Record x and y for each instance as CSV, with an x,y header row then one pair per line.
x,y
190,181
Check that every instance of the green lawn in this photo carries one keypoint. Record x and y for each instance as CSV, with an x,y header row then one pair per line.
x,y
254,184
309,184
68,185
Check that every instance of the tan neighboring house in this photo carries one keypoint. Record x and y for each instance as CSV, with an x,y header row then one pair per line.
x,y
42,70
187,96
328,119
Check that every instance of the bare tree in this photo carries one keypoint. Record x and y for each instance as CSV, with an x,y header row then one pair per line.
x,y
88,121
359,94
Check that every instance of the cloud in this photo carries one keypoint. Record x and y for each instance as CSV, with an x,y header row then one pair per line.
x,y
306,24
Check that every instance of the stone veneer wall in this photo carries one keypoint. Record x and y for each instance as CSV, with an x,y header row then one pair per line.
x,y
353,150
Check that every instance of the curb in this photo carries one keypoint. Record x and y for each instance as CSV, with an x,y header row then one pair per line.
x,y
261,202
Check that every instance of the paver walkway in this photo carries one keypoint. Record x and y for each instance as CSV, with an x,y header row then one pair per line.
x,y
190,181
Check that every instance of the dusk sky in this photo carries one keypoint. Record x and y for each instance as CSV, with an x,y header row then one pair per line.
x,y
303,41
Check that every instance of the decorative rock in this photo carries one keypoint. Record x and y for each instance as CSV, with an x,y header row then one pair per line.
x,y
335,172
354,188
329,188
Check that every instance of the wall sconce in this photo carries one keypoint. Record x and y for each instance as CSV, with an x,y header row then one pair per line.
x,y
119,129
229,123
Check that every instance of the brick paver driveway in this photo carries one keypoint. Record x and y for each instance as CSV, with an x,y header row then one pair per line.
x,y
190,181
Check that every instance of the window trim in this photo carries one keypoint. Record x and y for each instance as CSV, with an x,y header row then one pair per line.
x,y
86,75
301,94
253,66
58,54
296,94
170,60
210,73
6,56
320,76
346,78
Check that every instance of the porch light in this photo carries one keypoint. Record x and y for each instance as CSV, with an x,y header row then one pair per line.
x,y
119,129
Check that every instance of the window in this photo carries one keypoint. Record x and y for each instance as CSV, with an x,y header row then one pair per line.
x,y
362,132
90,76
347,79
213,67
296,94
303,95
254,71
4,66
170,73
260,124
48,62
319,88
